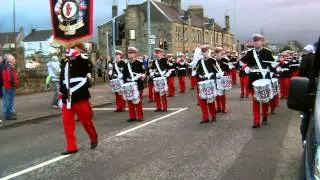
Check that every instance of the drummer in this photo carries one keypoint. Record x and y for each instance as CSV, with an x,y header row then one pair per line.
x,y
223,67
134,72
118,67
244,77
161,101
182,72
171,78
284,74
208,62
263,55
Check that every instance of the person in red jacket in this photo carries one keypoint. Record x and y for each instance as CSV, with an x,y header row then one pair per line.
x,y
10,83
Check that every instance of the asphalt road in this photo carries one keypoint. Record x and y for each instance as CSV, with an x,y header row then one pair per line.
x,y
171,145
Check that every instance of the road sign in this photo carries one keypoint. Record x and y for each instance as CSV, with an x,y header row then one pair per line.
x,y
152,36
152,41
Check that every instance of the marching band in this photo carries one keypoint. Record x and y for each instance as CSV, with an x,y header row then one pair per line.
x,y
212,72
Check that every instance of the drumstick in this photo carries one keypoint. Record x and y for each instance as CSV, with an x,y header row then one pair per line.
x,y
268,62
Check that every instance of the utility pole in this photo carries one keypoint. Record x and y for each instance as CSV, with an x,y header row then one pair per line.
x,y
107,44
14,23
149,27
113,37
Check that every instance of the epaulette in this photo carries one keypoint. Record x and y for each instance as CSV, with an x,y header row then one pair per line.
x,y
140,60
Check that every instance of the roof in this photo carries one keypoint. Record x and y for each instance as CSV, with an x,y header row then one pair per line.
x,y
174,15
38,35
8,37
120,16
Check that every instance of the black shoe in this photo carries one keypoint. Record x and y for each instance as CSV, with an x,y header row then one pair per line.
x,y
131,120
214,119
218,111
241,97
256,126
150,101
94,145
191,88
157,110
69,152
247,97
117,110
203,122
264,121
224,111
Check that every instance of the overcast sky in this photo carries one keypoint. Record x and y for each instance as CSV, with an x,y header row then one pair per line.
x,y
281,20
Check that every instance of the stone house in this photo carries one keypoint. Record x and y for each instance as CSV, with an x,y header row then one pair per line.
x,y
182,30
9,40
38,41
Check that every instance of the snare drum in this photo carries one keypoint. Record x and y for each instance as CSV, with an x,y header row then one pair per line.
x,y
116,85
224,83
207,89
262,90
160,84
130,92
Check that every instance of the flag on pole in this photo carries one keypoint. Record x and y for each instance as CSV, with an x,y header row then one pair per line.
x,y
72,21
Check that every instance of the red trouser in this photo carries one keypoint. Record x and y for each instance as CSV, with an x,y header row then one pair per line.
x,y
284,87
151,95
234,75
204,108
120,103
84,112
198,91
256,109
274,102
221,103
171,89
158,99
136,110
244,85
193,82
295,73
182,83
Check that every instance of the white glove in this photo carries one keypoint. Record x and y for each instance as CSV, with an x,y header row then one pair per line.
x,y
219,74
278,69
209,75
274,64
120,76
247,70
230,66
241,63
167,74
138,76
110,72
193,73
151,74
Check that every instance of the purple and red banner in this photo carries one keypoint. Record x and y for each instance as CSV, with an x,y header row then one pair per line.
x,y
72,21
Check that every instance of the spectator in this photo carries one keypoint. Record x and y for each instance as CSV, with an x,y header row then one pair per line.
x,y
10,83
53,74
99,66
1,69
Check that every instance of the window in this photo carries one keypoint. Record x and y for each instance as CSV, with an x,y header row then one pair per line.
x,y
206,37
40,45
185,34
132,34
193,35
177,33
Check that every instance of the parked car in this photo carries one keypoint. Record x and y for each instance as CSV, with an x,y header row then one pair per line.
x,y
303,97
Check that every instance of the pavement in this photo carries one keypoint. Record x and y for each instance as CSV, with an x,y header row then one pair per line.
x,y
167,145
37,107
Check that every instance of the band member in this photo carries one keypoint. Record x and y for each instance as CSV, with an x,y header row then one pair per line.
x,y
294,65
160,68
244,77
182,72
255,59
205,71
171,78
284,76
198,55
150,84
233,61
134,72
193,80
117,73
223,67
74,93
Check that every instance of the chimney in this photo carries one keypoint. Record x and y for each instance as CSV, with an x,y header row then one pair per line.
x,y
33,30
115,9
174,3
197,10
227,21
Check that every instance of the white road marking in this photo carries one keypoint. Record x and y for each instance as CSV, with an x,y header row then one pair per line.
x,y
150,122
146,109
34,167
178,110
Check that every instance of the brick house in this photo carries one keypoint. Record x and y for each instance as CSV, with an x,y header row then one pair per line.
x,y
182,30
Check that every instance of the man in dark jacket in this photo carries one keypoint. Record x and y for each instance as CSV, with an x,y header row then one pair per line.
x,y
306,71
